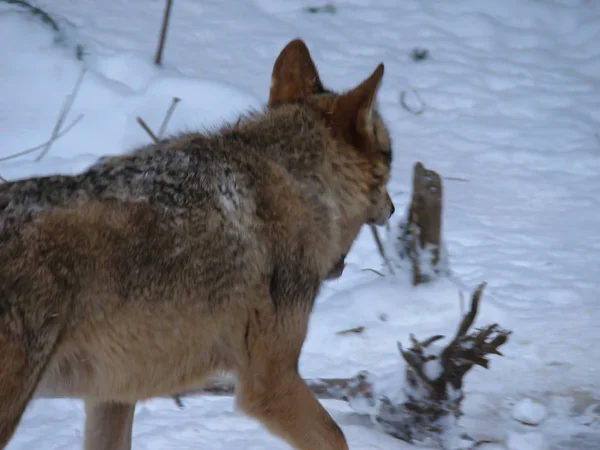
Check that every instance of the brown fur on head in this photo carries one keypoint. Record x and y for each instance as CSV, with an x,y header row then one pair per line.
x,y
351,115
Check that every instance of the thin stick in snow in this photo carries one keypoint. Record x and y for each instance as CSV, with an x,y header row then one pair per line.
x,y
63,114
457,179
37,147
147,129
163,33
386,260
168,115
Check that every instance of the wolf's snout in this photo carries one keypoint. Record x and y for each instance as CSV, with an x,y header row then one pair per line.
x,y
392,209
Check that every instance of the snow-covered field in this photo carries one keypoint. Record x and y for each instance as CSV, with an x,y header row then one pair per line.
x,y
512,95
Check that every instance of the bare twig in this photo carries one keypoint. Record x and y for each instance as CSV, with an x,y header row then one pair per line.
x,y
456,179
147,129
165,121
368,269
163,33
63,114
4,180
37,147
416,112
597,137
355,330
470,317
168,115
387,261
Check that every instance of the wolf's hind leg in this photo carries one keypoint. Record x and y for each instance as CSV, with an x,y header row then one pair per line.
x,y
24,355
108,425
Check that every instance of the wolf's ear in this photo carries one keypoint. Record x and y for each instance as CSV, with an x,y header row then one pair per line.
x,y
294,76
353,110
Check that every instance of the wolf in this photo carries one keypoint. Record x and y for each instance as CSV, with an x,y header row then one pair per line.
x,y
200,254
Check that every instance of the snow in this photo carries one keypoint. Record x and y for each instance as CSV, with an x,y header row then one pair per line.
x,y
529,412
526,441
512,106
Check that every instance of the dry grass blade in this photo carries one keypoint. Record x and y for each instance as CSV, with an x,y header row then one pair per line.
x,y
386,260
355,330
374,271
456,179
63,114
37,147
168,115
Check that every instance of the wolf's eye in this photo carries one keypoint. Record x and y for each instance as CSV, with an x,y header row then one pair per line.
x,y
385,152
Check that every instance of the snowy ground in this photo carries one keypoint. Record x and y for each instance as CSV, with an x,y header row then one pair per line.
x,y
512,94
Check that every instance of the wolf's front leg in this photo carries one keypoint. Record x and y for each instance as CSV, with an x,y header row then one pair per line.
x,y
269,387
108,426
287,407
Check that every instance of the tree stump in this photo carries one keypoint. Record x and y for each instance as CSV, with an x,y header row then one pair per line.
x,y
419,241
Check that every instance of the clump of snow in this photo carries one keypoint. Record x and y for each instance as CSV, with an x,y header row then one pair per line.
x,y
529,412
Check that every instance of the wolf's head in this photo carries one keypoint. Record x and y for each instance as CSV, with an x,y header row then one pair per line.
x,y
351,116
